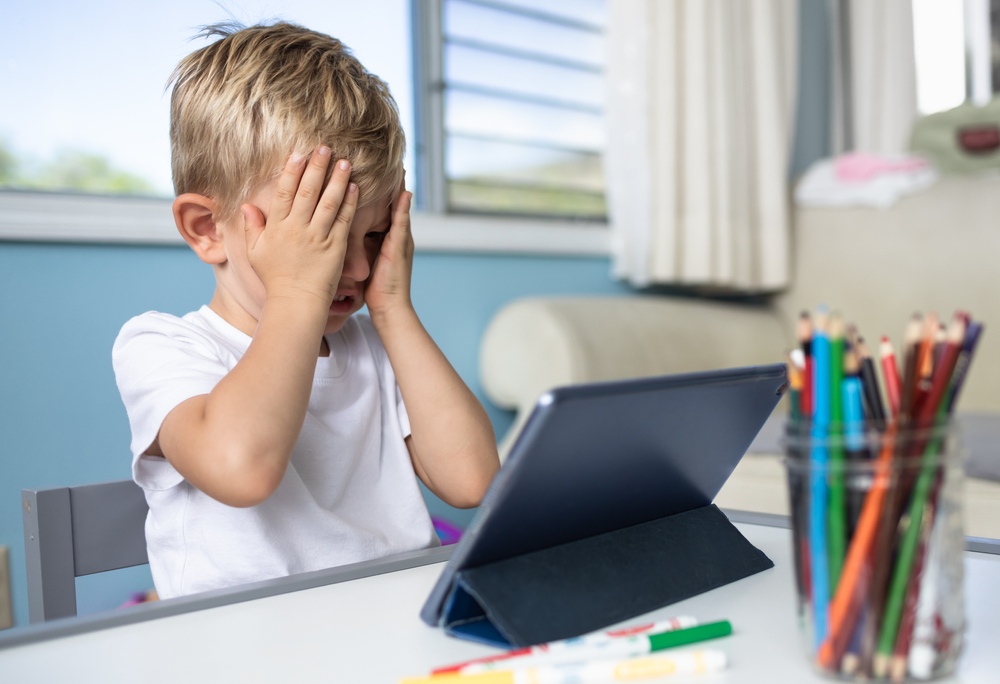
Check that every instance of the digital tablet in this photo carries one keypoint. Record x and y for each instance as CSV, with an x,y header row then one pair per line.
x,y
600,457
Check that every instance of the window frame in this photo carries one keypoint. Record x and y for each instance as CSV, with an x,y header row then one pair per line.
x,y
56,216
41,216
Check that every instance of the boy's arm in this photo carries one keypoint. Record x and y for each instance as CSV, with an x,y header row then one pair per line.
x,y
234,443
452,444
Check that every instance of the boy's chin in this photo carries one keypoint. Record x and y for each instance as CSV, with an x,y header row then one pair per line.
x,y
334,323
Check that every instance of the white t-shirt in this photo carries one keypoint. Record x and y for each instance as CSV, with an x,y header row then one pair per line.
x,y
349,494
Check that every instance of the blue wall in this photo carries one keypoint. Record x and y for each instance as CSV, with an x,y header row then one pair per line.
x,y
61,306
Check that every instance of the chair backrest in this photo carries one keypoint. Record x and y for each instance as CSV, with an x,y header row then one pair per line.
x,y
74,531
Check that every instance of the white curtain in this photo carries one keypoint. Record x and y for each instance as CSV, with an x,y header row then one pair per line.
x,y
700,121
874,76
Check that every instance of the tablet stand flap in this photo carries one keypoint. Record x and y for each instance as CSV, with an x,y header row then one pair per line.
x,y
585,585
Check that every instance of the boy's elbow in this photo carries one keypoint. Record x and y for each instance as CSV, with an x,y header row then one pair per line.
x,y
467,501
472,494
251,492
249,481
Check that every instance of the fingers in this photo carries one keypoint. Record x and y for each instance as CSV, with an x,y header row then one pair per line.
x,y
345,216
401,217
298,192
310,186
330,205
288,183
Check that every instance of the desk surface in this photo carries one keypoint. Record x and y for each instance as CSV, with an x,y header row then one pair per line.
x,y
367,630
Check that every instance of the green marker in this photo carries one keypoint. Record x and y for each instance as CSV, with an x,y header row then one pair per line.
x,y
691,635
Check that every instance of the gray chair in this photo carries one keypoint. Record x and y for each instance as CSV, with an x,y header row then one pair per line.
x,y
74,531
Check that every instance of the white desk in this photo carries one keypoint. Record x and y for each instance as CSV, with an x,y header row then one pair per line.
x,y
367,630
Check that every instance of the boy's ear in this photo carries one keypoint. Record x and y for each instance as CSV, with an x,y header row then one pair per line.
x,y
195,218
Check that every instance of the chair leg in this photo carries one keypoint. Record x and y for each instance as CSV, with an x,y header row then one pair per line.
x,y
48,553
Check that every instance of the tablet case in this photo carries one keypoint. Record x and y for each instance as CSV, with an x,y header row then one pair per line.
x,y
582,586
603,510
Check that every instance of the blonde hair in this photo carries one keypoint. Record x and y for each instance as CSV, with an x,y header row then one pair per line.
x,y
241,105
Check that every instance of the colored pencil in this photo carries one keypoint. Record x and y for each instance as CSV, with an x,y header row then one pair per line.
x,y
897,668
804,332
972,334
797,430
882,617
890,372
890,501
853,440
851,661
795,387
819,458
931,408
925,362
869,381
837,508
845,608
922,648
911,356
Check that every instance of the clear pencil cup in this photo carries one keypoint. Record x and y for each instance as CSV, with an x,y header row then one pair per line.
x,y
878,547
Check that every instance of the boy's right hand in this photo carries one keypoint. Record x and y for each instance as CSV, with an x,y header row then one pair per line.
x,y
298,250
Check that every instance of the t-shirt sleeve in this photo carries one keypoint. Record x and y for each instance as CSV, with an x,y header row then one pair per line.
x,y
161,361
404,418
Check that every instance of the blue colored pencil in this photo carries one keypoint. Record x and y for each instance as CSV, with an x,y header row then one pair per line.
x,y
818,490
854,440
854,417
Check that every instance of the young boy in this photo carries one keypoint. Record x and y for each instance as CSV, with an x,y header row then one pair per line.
x,y
269,429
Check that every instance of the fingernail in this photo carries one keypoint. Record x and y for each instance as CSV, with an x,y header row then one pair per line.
x,y
297,158
352,187
324,150
344,165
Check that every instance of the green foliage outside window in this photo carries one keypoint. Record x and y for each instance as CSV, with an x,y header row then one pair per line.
x,y
70,170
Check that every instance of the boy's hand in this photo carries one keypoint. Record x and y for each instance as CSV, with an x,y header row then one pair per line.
x,y
389,286
300,248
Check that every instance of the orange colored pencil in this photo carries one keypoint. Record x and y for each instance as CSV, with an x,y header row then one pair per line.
x,y
851,589
925,363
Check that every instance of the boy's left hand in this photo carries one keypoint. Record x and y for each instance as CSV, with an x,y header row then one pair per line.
x,y
389,286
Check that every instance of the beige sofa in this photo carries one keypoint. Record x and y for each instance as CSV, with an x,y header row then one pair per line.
x,y
937,250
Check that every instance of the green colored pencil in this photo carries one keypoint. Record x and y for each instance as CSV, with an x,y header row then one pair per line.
x,y
938,404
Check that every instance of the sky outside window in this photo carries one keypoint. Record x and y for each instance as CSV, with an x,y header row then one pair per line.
x,y
85,81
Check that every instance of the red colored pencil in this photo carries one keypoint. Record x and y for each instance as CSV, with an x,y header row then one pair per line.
x,y
804,331
911,358
941,378
890,373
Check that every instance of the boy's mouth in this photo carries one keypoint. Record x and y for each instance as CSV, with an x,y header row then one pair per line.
x,y
342,304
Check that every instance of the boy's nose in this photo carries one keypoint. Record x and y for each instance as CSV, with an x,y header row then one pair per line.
x,y
356,263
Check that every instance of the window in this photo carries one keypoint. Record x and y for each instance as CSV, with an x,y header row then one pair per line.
x,y
509,99
957,46
516,111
